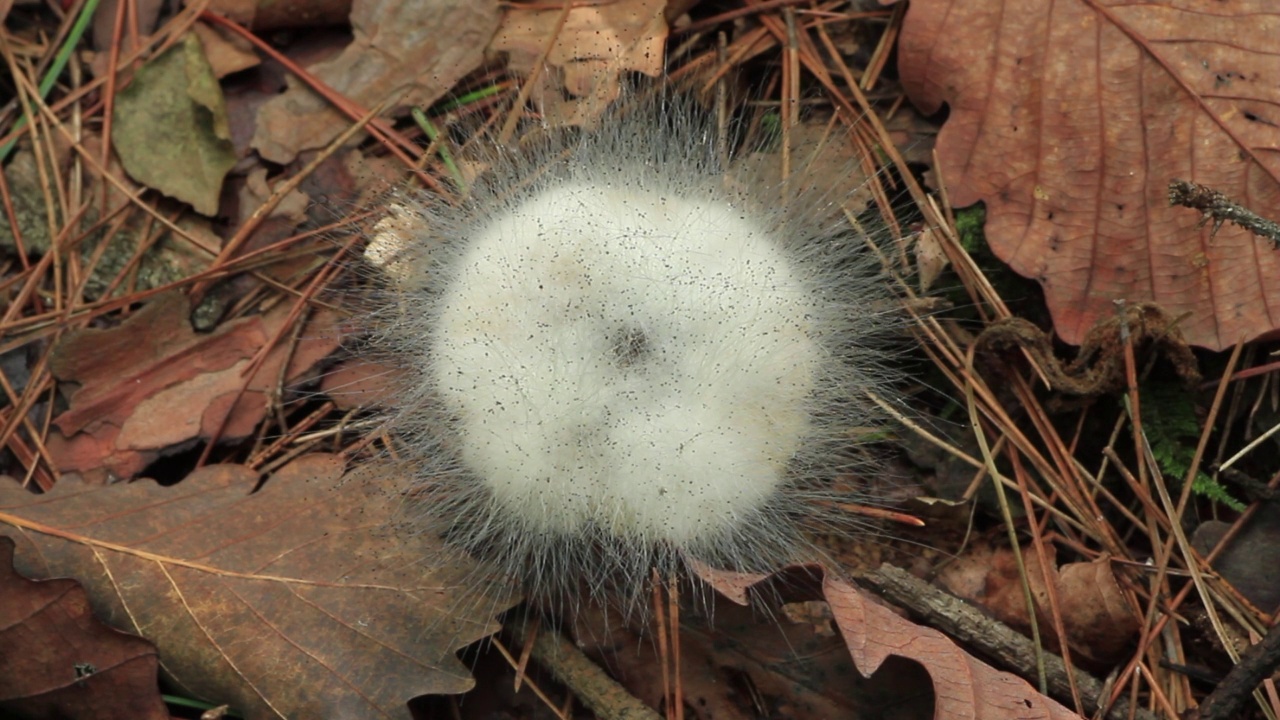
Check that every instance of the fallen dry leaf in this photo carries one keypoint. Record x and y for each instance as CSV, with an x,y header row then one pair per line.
x,y
593,48
170,127
399,54
153,383
963,686
295,601
252,191
226,53
1098,620
60,661
1069,119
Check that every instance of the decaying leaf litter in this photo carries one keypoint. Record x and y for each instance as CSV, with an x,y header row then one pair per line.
x,y
228,350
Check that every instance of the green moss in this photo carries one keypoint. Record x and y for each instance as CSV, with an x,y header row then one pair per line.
x,y
969,224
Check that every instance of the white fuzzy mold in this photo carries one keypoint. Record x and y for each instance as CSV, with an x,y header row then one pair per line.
x,y
610,363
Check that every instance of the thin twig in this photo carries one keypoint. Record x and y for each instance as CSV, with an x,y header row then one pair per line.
x,y
1215,206
600,693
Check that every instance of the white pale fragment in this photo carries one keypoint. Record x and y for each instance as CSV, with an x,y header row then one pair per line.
x,y
386,247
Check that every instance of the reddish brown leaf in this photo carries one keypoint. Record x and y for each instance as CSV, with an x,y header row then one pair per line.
x,y
963,686
152,383
294,601
1069,119
61,661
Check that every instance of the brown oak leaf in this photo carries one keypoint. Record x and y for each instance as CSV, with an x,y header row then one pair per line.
x,y
1069,119
301,599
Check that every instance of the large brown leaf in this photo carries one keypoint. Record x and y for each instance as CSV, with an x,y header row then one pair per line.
x,y
1069,119
294,601
58,660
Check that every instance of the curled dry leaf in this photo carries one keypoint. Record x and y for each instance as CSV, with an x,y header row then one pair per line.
x,y
284,219
298,600
400,54
963,686
1069,119
152,383
1099,622
596,44
227,53
1098,618
60,661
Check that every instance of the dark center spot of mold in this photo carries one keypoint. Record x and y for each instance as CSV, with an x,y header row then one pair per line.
x,y
630,346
